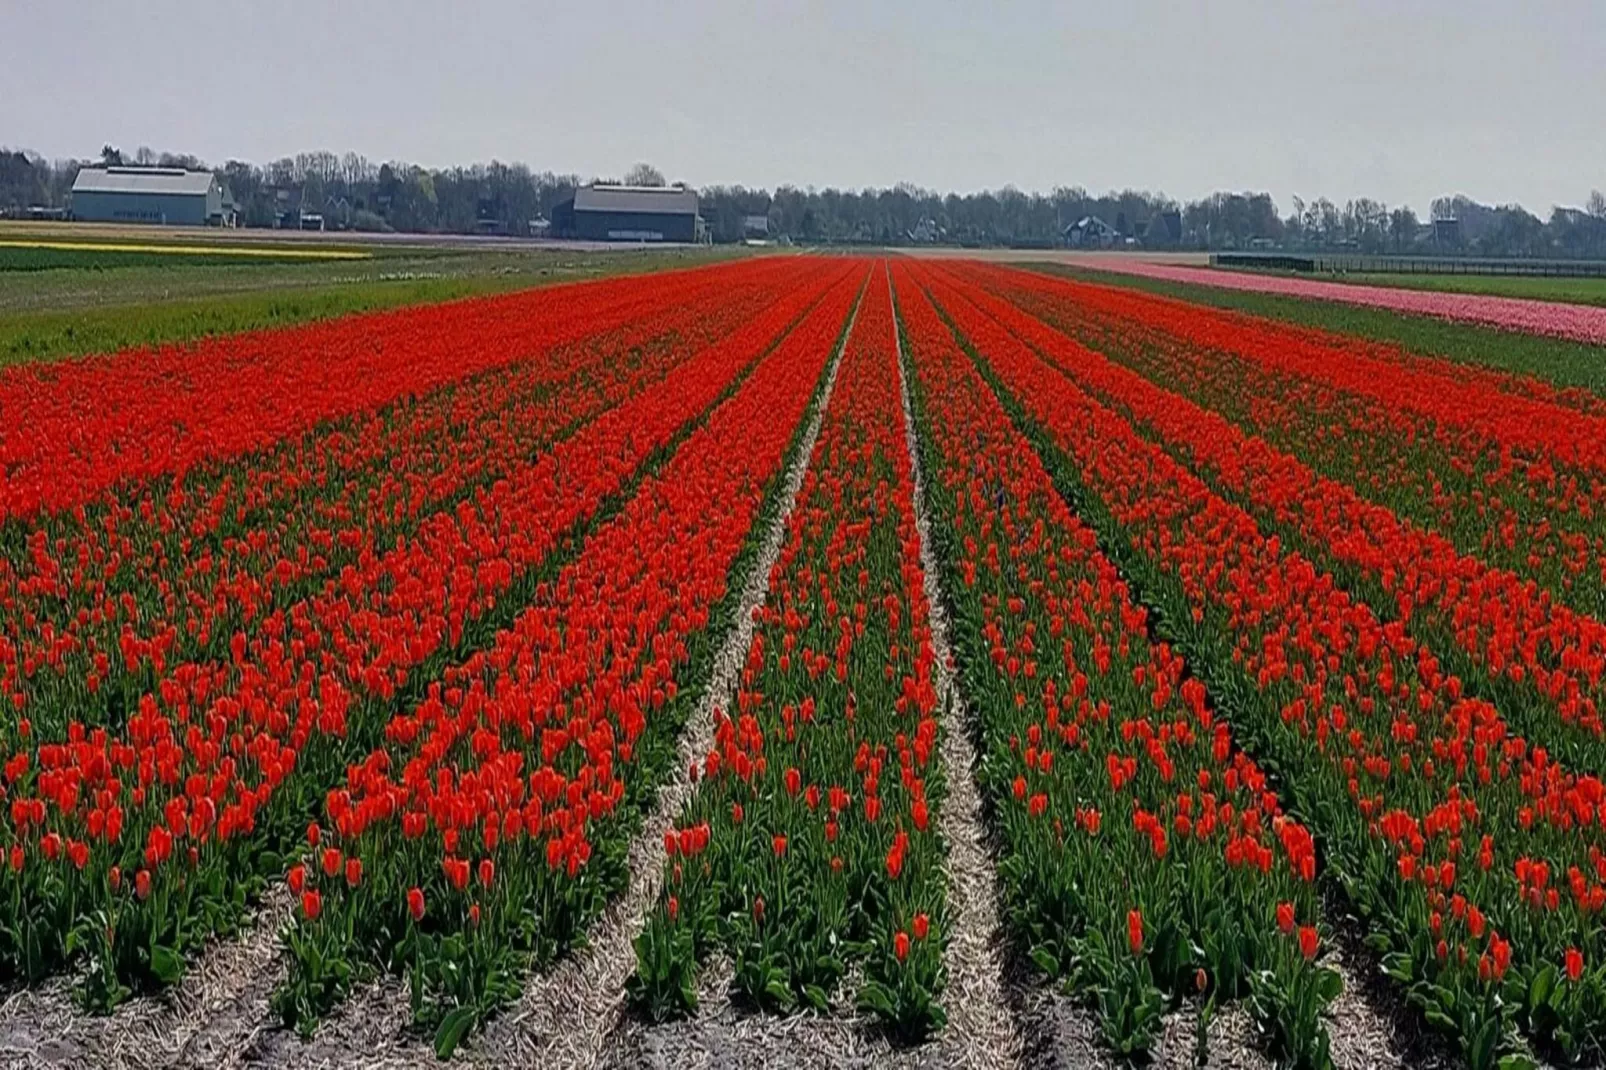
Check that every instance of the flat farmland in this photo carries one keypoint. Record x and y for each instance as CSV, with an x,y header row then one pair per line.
x,y
68,290
1585,291
826,660
1564,309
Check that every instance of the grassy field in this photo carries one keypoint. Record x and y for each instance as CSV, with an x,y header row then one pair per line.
x,y
1562,362
57,312
1580,291
147,234
91,256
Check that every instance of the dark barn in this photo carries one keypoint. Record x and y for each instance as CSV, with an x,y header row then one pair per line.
x,y
628,213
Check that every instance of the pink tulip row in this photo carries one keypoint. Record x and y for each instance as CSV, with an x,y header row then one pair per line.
x,y
1581,323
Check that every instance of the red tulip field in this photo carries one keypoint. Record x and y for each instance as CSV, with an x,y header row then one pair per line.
x,y
904,661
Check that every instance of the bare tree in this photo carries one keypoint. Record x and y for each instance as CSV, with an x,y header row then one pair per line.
x,y
645,174
1402,227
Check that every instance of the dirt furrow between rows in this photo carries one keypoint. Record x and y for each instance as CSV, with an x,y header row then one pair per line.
x,y
575,1016
980,1030
46,1028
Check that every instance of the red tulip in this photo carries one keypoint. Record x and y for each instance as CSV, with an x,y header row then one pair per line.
x,y
1285,917
1134,931
415,903
1501,950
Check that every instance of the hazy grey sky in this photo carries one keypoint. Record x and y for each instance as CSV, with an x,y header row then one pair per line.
x,y
1404,100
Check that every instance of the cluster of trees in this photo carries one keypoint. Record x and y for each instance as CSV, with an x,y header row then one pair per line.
x,y
906,214
352,192
1370,226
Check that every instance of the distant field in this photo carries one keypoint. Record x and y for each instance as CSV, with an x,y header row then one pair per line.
x,y
66,311
1073,257
374,243
1564,362
1582,291
26,255
1591,291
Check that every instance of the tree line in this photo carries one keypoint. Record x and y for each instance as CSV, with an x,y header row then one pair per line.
x,y
351,192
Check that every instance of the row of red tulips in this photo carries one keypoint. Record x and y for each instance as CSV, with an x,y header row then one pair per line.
x,y
1516,511
1117,302
1474,856
167,827
179,406
492,822
1144,855
104,599
1584,323
810,842
1524,416
1507,641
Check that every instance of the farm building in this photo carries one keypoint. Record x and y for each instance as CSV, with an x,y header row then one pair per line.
x,y
629,213
1090,232
1165,229
168,195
